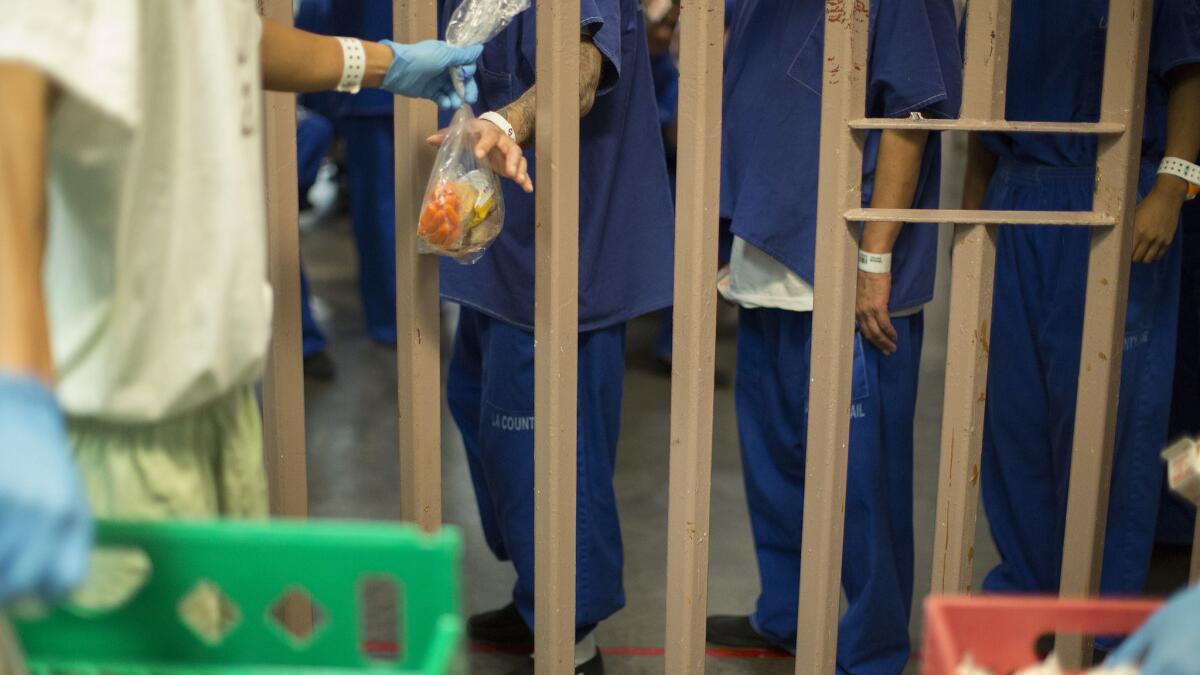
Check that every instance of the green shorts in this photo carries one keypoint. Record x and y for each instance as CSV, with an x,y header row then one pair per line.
x,y
203,464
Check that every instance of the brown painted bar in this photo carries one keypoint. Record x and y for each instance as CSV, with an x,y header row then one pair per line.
x,y
418,345
999,125
283,384
1123,100
1196,554
695,331
556,335
839,190
972,273
958,216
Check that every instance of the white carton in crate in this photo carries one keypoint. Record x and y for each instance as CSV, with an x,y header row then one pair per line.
x,y
1183,468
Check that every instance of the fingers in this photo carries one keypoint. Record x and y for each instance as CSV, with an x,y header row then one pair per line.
x,y
1140,245
471,89
869,324
443,101
437,139
885,325
484,143
1131,649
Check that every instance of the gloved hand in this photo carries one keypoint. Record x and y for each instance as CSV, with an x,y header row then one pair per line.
x,y
422,70
45,524
1167,644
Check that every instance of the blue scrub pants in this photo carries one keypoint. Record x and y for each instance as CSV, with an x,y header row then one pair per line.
x,y
314,134
772,410
371,163
490,393
1037,319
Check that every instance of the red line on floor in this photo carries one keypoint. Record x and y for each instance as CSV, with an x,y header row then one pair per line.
x,y
712,652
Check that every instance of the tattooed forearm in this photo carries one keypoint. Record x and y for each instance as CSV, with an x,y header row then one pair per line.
x,y
522,113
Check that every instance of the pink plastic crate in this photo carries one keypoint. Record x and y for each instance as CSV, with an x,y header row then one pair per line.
x,y
999,632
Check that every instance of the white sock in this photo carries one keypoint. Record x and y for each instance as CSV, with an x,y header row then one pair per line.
x,y
585,649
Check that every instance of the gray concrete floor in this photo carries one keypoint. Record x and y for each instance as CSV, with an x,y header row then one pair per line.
x,y
353,469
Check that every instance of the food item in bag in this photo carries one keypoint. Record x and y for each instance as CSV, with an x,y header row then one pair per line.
x,y
462,216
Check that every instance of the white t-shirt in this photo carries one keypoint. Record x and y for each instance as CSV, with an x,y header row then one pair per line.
x,y
155,267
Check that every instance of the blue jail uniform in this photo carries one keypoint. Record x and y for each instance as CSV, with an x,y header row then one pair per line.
x,y
1177,516
1055,73
314,135
490,393
364,120
625,269
773,348
769,192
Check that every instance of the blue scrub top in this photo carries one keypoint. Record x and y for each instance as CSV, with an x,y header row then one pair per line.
x,y
1056,72
625,215
772,124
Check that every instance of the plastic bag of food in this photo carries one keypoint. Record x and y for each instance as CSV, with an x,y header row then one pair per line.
x,y
463,209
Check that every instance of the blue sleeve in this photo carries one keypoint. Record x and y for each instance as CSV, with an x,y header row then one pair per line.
x,y
1175,37
602,20
915,63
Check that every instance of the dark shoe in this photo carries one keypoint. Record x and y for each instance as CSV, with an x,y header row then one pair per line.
x,y
593,666
319,367
735,631
502,626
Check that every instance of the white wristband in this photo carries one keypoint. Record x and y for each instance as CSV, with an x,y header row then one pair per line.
x,y
498,119
1184,169
875,263
354,65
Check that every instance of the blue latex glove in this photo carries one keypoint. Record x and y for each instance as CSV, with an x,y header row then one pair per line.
x,y
422,70
1168,643
45,524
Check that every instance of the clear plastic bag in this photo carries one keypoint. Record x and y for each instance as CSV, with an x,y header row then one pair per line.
x,y
463,209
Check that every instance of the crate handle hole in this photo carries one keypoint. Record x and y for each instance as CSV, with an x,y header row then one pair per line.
x,y
381,618
209,613
298,616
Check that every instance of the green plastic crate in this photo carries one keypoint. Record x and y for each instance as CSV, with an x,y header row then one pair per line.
x,y
255,565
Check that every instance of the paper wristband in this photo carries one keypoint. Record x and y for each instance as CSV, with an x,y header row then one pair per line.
x,y
1182,169
354,65
498,119
876,263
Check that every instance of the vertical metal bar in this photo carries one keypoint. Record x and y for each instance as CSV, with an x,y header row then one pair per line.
x,y
695,332
283,383
839,189
1196,554
973,270
974,264
556,334
418,346
1123,100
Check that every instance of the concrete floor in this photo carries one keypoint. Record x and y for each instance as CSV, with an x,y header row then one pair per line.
x,y
353,469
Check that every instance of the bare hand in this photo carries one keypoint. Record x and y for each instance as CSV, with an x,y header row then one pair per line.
x,y
1154,225
502,153
871,310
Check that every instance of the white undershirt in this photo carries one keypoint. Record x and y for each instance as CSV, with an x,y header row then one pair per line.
x,y
155,264
758,281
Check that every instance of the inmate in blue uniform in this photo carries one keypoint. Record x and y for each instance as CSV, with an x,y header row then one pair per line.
x,y
1055,73
625,255
769,191
364,120
314,135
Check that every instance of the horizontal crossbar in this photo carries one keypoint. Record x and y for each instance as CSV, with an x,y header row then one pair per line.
x,y
1080,218
1105,128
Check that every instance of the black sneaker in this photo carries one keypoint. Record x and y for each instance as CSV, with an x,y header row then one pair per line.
x,y
735,631
593,666
502,626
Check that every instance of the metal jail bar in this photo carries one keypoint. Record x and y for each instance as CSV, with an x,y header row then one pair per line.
x,y
283,383
1126,60
418,328
694,340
